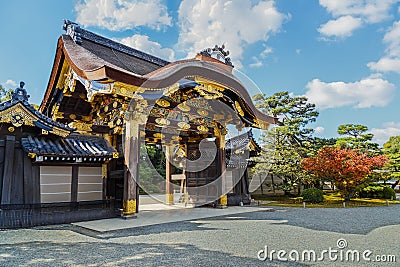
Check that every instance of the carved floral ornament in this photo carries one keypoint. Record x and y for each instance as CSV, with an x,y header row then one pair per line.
x,y
17,116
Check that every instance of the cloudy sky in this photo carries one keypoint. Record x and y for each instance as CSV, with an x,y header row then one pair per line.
x,y
343,55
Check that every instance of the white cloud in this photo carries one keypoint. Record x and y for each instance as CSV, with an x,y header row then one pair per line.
x,y
341,27
365,11
298,51
319,130
368,92
256,64
122,14
391,60
11,83
382,135
372,11
233,23
266,52
142,42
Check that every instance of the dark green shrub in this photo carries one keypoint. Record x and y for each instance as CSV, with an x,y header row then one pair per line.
x,y
388,193
378,191
312,195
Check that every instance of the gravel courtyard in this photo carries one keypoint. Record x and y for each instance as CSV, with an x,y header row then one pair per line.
x,y
231,240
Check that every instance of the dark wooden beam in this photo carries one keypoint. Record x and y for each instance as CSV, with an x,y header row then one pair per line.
x,y
28,181
169,188
8,170
74,184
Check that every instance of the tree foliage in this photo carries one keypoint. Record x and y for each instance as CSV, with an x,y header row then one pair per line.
x,y
392,149
287,144
347,168
355,136
5,94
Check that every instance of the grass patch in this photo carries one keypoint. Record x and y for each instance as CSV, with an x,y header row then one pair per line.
x,y
331,200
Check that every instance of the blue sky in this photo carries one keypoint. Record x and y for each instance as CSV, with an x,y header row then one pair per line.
x,y
344,55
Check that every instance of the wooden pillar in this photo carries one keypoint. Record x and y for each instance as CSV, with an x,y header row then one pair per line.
x,y
131,168
221,163
169,168
8,170
104,180
74,184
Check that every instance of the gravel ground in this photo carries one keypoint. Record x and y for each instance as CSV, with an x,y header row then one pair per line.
x,y
232,240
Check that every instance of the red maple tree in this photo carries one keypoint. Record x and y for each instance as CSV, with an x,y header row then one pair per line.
x,y
346,168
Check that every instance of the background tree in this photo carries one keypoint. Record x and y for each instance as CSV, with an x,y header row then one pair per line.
x,y
346,168
5,94
355,136
392,149
285,146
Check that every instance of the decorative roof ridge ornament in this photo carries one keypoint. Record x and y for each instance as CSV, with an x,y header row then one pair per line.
x,y
218,53
74,30
20,94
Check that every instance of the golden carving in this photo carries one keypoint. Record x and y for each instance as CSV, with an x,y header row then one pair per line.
x,y
162,121
17,115
170,199
220,135
72,116
81,126
171,89
61,81
158,135
31,155
129,206
163,103
60,132
239,109
202,112
58,115
104,170
183,125
11,129
87,118
115,155
69,84
45,132
124,90
208,91
202,128
223,201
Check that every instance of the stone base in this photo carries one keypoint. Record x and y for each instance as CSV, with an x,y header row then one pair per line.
x,y
128,216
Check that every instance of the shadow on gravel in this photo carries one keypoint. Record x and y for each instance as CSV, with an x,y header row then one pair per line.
x,y
112,254
344,220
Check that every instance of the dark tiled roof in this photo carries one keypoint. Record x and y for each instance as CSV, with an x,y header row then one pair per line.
x,y
237,143
240,142
72,148
236,161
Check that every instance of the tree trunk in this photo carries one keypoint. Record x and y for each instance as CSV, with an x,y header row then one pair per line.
x,y
395,184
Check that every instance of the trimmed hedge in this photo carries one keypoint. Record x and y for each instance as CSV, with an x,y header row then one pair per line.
x,y
313,195
378,191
